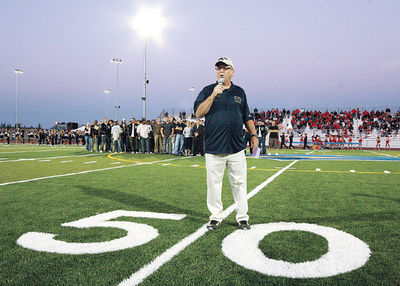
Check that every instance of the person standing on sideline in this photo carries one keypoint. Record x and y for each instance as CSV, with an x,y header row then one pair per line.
x,y
283,139
291,140
88,140
116,131
224,106
198,138
157,136
133,136
387,142
179,139
273,138
187,132
378,143
305,142
103,131
261,131
167,131
144,130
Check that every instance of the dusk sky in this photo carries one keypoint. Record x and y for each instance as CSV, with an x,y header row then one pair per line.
x,y
322,54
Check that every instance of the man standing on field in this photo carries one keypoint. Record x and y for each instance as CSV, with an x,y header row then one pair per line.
x,y
225,108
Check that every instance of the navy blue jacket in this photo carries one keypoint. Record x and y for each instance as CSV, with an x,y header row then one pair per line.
x,y
224,120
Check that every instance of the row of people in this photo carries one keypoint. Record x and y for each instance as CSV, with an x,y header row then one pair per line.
x,y
171,136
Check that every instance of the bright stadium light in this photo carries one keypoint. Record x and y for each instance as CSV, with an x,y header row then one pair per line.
x,y
149,23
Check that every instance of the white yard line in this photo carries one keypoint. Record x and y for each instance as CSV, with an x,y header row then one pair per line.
x,y
376,153
89,171
147,270
311,152
58,157
34,151
66,161
90,162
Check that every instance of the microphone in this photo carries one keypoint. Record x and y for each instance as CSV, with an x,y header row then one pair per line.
x,y
221,81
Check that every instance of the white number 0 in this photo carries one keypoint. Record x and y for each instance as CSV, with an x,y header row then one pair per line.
x,y
138,234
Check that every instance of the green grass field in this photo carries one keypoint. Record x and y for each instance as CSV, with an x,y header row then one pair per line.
x,y
43,187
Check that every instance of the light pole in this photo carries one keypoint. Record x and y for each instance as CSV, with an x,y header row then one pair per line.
x,y
145,82
192,89
107,93
117,61
148,23
17,72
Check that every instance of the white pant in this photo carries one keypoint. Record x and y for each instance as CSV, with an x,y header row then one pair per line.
x,y
237,173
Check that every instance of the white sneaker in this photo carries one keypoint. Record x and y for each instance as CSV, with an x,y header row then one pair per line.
x,y
269,153
276,153
101,151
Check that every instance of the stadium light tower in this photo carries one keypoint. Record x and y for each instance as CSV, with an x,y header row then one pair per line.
x,y
149,23
107,93
116,61
17,72
192,89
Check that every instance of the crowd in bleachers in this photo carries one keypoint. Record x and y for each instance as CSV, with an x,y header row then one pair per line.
x,y
343,121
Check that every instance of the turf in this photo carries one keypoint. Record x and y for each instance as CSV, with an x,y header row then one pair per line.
x,y
364,204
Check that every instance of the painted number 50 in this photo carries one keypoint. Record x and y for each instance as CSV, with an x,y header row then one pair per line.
x,y
138,234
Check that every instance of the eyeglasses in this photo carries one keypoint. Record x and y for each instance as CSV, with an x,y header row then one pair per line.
x,y
225,68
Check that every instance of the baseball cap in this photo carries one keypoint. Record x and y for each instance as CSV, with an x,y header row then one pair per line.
x,y
226,61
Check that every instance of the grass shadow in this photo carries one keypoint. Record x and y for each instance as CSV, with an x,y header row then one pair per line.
x,y
376,197
376,216
139,202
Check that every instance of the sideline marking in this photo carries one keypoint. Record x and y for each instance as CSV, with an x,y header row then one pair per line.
x,y
380,153
387,172
90,162
58,157
89,171
66,161
34,151
195,165
115,163
43,160
147,270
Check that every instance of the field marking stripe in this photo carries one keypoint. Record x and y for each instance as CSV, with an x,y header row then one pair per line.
x,y
376,153
34,151
58,157
147,270
89,171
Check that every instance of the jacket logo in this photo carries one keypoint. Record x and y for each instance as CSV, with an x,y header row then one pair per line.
x,y
237,99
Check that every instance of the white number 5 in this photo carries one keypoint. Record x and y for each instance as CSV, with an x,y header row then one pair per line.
x,y
138,234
